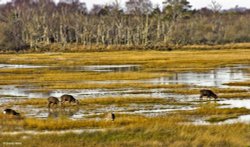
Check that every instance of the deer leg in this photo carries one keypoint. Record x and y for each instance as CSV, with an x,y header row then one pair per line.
x,y
49,104
201,96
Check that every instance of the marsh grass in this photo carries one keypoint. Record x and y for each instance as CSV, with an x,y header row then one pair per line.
x,y
68,76
113,86
51,77
152,132
154,64
245,83
212,109
229,93
224,46
117,100
221,118
63,123
39,102
158,59
236,95
105,101
134,130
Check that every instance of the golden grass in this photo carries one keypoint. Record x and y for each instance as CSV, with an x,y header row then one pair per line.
x,y
212,109
106,101
175,59
154,64
63,123
222,92
220,118
112,86
236,95
245,83
150,132
98,76
34,101
224,46
117,100
167,130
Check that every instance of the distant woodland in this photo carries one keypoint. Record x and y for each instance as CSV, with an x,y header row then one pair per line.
x,y
42,24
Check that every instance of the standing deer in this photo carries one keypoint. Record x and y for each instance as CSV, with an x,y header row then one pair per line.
x,y
207,93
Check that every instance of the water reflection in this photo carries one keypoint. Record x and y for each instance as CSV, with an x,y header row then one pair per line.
x,y
112,68
99,68
235,103
69,112
13,90
93,68
240,119
16,66
213,78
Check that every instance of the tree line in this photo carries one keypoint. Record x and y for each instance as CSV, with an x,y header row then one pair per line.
x,y
34,24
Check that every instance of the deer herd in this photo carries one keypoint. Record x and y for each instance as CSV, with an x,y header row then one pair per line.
x,y
64,98
54,101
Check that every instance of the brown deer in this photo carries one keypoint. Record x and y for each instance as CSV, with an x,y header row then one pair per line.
x,y
68,98
207,93
52,100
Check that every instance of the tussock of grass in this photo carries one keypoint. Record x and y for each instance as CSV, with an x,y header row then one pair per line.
x,y
176,59
117,100
59,76
152,132
236,95
39,101
184,91
245,83
99,76
220,118
224,46
225,93
18,70
106,101
212,109
64,123
112,86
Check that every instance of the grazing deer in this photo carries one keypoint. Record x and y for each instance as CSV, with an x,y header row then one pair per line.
x,y
68,98
207,93
52,100
11,112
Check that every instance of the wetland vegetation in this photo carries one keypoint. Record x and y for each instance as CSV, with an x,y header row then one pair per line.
x,y
136,73
152,106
